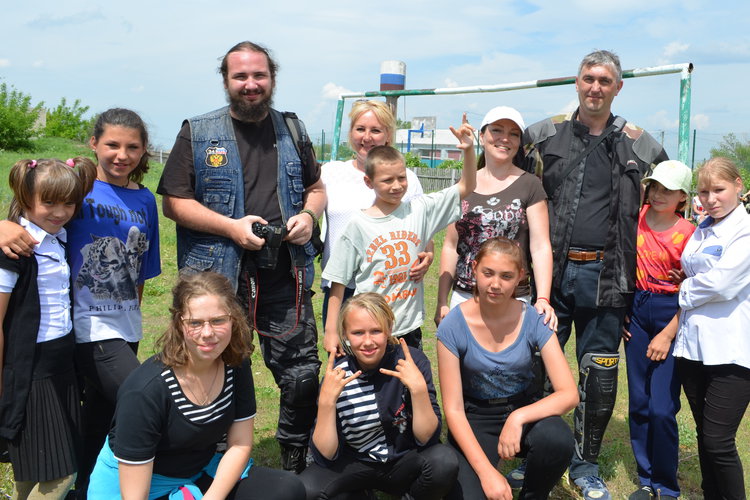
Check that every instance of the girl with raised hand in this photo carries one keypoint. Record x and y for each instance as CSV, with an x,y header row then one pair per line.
x,y
378,420
712,347
486,348
183,428
39,405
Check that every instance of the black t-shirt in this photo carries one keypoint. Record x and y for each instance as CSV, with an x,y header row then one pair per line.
x,y
155,421
592,218
256,143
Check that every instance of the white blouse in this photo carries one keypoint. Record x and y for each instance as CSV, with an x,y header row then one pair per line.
x,y
715,297
53,280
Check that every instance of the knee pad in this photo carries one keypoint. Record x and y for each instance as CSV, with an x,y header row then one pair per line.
x,y
304,389
597,387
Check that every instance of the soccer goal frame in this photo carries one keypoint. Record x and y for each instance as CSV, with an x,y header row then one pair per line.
x,y
684,69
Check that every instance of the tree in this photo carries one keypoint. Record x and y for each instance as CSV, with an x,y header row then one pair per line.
x,y
413,160
17,117
345,152
68,122
401,124
733,148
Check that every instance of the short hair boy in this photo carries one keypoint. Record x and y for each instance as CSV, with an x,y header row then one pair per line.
x,y
382,242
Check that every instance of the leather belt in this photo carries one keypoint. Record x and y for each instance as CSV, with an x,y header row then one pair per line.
x,y
585,255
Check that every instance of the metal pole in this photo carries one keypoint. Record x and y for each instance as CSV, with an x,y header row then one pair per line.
x,y
692,162
337,130
683,142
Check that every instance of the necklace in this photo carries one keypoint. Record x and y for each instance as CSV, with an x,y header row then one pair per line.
x,y
200,401
127,182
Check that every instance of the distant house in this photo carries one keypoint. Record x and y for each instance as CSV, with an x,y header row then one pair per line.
x,y
432,146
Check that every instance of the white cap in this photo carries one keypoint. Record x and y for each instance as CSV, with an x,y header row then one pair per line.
x,y
673,175
503,113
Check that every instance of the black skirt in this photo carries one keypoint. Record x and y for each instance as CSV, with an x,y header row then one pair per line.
x,y
45,448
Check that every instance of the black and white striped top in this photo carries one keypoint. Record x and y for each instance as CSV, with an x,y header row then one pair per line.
x,y
360,421
195,413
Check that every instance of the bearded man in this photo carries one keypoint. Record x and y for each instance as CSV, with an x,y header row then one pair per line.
x,y
245,192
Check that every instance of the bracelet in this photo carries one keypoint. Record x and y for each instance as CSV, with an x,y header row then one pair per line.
x,y
544,299
311,214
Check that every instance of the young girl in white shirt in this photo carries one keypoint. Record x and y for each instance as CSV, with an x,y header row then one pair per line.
x,y
39,400
712,347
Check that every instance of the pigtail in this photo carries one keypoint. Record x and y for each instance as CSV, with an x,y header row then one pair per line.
x,y
86,171
21,182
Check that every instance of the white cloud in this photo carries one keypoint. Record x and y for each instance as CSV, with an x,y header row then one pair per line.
x,y
137,88
661,120
671,51
38,63
332,91
451,83
4,63
569,106
700,122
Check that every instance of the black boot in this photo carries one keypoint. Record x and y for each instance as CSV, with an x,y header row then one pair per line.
x,y
293,458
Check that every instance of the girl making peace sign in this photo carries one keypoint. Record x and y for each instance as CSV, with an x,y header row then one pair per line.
x,y
378,418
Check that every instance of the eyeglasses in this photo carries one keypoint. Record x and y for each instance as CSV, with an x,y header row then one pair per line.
x,y
195,326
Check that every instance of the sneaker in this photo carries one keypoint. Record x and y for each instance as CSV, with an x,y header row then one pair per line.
x,y
593,488
293,458
516,476
642,493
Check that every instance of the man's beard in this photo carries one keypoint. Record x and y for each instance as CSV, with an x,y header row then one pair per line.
x,y
249,111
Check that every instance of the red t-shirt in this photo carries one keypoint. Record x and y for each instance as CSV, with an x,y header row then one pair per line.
x,y
659,252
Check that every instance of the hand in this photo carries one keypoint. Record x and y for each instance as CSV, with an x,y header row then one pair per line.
x,y
509,443
495,486
300,229
543,306
676,276
440,313
658,348
334,381
421,266
242,232
625,332
465,134
407,371
331,344
15,241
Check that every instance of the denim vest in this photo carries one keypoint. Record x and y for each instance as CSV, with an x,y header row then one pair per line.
x,y
219,185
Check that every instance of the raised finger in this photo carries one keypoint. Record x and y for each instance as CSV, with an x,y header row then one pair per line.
x,y
407,353
352,377
331,360
464,119
392,373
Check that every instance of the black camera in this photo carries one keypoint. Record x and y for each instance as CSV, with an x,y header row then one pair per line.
x,y
266,257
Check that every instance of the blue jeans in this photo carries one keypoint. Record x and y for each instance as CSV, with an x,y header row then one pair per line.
x,y
654,394
598,329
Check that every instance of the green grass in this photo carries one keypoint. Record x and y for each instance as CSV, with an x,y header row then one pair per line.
x,y
616,459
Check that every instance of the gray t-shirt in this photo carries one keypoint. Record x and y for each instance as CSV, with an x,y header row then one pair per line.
x,y
490,375
380,251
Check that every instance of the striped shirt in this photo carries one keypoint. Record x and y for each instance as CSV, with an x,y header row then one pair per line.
x,y
358,414
196,413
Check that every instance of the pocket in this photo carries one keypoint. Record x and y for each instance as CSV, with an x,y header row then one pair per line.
x,y
296,185
203,256
218,195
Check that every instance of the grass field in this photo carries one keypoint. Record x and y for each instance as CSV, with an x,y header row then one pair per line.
x,y
616,460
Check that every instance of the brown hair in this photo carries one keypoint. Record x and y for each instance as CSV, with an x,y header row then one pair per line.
x,y
273,67
376,306
721,168
381,111
53,180
171,343
504,246
382,154
121,117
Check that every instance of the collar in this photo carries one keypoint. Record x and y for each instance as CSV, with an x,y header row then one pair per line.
x,y
728,224
40,234
580,129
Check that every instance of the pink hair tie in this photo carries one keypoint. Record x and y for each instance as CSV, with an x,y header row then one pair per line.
x,y
69,162
32,164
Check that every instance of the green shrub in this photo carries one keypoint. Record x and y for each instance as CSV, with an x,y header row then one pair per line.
x,y
68,122
17,117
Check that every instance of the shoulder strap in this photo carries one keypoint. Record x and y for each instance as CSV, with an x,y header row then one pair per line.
x,y
617,124
299,135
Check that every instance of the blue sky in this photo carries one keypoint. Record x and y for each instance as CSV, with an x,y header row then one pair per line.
x,y
160,58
